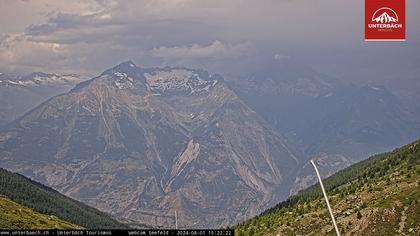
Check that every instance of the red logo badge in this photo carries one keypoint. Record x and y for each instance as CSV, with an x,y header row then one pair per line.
x,y
385,20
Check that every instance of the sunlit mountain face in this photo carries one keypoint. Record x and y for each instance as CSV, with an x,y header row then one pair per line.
x,y
141,143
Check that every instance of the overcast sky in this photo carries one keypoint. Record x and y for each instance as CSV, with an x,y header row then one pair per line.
x,y
227,36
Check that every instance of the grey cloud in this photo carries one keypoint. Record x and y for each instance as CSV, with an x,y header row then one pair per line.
x,y
62,21
216,56
214,34
215,50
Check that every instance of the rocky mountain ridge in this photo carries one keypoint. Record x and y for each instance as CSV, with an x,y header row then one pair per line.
x,y
141,143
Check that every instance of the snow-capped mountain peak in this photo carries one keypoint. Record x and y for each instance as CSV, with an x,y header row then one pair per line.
x,y
178,80
162,81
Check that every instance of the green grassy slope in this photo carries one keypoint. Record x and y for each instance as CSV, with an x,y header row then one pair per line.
x,y
50,202
378,196
16,216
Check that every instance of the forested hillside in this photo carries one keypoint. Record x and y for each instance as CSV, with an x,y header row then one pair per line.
x,y
378,196
16,216
47,201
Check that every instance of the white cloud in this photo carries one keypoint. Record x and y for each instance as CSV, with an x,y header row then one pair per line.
x,y
20,53
215,50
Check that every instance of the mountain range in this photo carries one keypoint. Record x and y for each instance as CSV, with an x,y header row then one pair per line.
x,y
141,143
19,94
329,120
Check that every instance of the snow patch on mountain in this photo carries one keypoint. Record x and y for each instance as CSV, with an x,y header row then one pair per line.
x,y
123,81
12,82
328,95
374,88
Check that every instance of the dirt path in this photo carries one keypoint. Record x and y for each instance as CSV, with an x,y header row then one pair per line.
x,y
402,221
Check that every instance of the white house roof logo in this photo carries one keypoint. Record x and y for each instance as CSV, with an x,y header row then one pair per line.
x,y
385,15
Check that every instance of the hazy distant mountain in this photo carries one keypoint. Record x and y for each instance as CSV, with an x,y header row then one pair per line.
x,y
407,90
324,115
142,143
330,121
19,94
